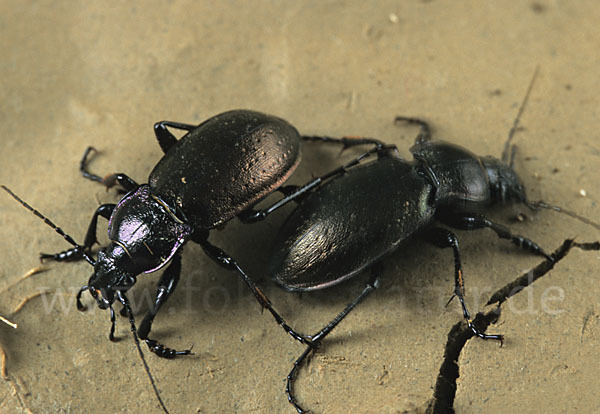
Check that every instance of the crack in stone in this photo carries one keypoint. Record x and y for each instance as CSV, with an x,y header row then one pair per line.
x,y
445,387
527,278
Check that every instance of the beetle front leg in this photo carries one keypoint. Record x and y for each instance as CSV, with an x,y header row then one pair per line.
x,y
478,221
75,253
166,286
444,238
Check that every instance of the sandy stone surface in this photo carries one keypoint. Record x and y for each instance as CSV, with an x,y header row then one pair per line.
x,y
75,73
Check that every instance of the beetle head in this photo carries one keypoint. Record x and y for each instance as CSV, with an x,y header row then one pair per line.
x,y
110,275
505,184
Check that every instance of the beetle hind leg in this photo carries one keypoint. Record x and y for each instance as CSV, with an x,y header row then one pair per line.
x,y
296,192
346,142
372,284
226,261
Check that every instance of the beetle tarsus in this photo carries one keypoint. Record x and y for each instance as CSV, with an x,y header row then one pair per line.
x,y
165,352
83,164
425,131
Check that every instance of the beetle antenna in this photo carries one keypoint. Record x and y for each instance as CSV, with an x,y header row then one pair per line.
x,y
508,154
536,205
51,224
125,302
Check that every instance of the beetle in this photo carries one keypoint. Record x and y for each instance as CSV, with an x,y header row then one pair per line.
x,y
217,171
361,214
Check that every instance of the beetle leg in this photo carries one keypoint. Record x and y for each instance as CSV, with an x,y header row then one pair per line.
x,y
166,286
164,352
372,284
287,190
223,259
289,390
347,142
75,253
165,138
127,183
252,216
113,321
317,338
83,166
444,238
123,180
478,221
424,133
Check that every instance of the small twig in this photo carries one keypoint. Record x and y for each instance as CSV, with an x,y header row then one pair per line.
x,y
28,274
6,321
31,272
27,299
3,364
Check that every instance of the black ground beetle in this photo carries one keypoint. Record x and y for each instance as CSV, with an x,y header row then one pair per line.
x,y
217,171
361,214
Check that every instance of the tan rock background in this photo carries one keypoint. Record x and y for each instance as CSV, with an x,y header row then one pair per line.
x,y
74,74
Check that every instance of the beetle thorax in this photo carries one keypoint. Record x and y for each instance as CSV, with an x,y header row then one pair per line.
x,y
459,178
144,232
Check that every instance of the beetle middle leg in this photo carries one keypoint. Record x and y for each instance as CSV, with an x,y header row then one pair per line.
x,y
165,138
443,238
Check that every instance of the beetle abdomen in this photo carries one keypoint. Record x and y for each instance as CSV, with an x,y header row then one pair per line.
x,y
349,223
225,165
